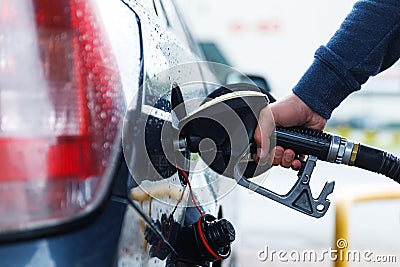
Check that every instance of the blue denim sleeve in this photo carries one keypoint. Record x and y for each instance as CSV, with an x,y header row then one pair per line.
x,y
367,42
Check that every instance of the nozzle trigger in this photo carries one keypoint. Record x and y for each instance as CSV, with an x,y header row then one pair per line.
x,y
299,197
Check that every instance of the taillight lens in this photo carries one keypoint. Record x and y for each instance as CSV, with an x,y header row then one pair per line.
x,y
61,104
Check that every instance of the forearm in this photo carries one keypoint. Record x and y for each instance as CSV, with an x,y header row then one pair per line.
x,y
367,42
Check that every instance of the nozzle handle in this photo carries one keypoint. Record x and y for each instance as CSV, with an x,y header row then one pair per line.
x,y
304,141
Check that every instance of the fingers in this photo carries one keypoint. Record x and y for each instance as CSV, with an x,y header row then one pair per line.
x,y
266,155
278,155
296,165
286,158
262,136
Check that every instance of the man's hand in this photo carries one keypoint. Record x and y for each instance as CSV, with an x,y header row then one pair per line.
x,y
290,111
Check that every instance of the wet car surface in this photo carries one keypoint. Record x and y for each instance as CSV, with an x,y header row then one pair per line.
x,y
124,205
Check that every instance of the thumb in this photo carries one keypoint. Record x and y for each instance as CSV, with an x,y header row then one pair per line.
x,y
263,133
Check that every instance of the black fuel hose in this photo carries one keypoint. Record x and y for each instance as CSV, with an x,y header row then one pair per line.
x,y
324,146
336,149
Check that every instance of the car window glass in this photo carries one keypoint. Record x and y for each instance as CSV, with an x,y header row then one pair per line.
x,y
163,51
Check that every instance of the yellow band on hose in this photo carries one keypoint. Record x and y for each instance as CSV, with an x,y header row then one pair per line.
x,y
353,154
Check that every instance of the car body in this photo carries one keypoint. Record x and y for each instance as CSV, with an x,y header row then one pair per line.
x,y
75,76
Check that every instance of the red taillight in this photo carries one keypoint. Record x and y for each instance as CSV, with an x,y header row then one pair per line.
x,y
68,156
60,106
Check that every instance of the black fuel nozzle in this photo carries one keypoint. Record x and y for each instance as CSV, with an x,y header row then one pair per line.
x,y
221,130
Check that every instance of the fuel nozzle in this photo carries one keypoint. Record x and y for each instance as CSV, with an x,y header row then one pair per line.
x,y
221,130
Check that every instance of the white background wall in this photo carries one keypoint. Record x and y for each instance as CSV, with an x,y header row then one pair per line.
x,y
276,39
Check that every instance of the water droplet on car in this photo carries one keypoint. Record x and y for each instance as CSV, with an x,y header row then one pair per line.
x,y
79,13
103,115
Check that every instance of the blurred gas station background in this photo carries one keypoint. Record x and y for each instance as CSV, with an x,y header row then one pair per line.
x,y
277,40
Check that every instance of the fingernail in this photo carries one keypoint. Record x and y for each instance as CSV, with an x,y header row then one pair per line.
x,y
288,157
278,153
